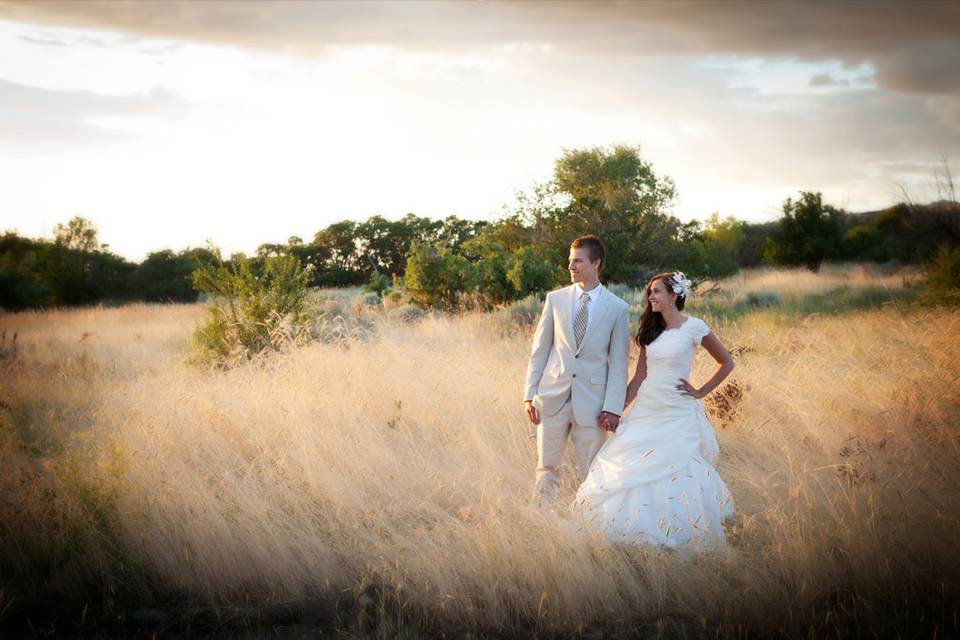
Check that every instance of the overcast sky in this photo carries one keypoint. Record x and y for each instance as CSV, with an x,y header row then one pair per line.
x,y
170,123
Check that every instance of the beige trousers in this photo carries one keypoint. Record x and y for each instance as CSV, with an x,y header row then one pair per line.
x,y
552,435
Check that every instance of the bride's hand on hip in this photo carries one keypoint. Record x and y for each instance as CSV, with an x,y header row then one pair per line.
x,y
688,389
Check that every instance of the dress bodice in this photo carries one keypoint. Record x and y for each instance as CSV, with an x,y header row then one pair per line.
x,y
670,357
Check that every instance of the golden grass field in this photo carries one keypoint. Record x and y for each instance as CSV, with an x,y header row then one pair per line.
x,y
383,478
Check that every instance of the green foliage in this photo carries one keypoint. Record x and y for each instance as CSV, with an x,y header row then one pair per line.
x,y
21,286
438,278
72,270
78,234
379,284
349,253
166,276
491,262
249,314
530,274
616,195
719,246
810,232
906,233
485,274
943,276
609,191
20,290
371,299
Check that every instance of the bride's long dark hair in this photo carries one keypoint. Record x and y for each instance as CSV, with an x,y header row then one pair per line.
x,y
652,323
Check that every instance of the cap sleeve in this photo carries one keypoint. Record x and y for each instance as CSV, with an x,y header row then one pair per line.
x,y
699,329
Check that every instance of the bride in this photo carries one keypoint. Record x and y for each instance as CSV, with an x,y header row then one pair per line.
x,y
654,480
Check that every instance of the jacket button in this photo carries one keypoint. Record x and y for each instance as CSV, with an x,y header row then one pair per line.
x,y
574,375
576,356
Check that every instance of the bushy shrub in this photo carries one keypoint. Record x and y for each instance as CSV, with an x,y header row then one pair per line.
x,y
630,295
520,315
943,276
762,299
406,313
393,299
371,299
379,283
336,324
249,314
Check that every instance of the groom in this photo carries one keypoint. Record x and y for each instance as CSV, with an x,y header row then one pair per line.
x,y
577,375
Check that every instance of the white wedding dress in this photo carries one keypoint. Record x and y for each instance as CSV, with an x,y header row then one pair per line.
x,y
654,480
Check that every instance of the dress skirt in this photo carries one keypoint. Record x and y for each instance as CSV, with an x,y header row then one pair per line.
x,y
654,482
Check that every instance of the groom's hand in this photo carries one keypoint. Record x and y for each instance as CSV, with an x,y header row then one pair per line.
x,y
532,414
608,421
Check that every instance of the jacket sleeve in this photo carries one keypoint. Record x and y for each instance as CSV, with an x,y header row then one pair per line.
x,y
540,352
616,390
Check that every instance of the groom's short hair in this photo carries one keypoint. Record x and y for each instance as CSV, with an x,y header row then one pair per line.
x,y
593,245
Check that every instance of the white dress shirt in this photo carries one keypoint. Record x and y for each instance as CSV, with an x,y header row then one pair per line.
x,y
592,297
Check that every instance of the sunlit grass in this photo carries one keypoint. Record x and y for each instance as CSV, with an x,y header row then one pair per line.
x,y
396,463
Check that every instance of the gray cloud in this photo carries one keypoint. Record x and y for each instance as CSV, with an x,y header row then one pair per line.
x,y
827,80
159,101
44,41
915,46
35,116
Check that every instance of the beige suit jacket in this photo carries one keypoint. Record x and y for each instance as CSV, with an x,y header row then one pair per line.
x,y
594,376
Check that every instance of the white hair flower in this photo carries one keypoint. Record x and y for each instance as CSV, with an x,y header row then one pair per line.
x,y
681,285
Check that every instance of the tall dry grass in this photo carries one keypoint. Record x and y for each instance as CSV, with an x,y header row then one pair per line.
x,y
397,468
801,281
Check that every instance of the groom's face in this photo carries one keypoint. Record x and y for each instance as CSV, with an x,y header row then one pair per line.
x,y
581,269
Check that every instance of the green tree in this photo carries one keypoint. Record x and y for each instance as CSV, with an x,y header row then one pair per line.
x,y
66,266
530,274
615,194
438,278
719,245
491,262
335,249
20,283
78,234
165,276
454,231
810,232
382,245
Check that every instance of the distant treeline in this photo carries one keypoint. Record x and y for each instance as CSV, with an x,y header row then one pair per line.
x,y
611,192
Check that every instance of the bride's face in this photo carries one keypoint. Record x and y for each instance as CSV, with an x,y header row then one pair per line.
x,y
660,298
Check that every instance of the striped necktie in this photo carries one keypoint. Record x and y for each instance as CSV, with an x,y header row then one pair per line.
x,y
580,322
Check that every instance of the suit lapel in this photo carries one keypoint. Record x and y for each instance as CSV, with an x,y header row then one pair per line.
x,y
599,311
566,316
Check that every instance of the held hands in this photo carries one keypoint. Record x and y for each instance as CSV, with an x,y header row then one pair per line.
x,y
688,389
532,414
608,421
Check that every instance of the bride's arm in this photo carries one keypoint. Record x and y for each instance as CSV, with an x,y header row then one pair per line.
x,y
638,377
716,349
